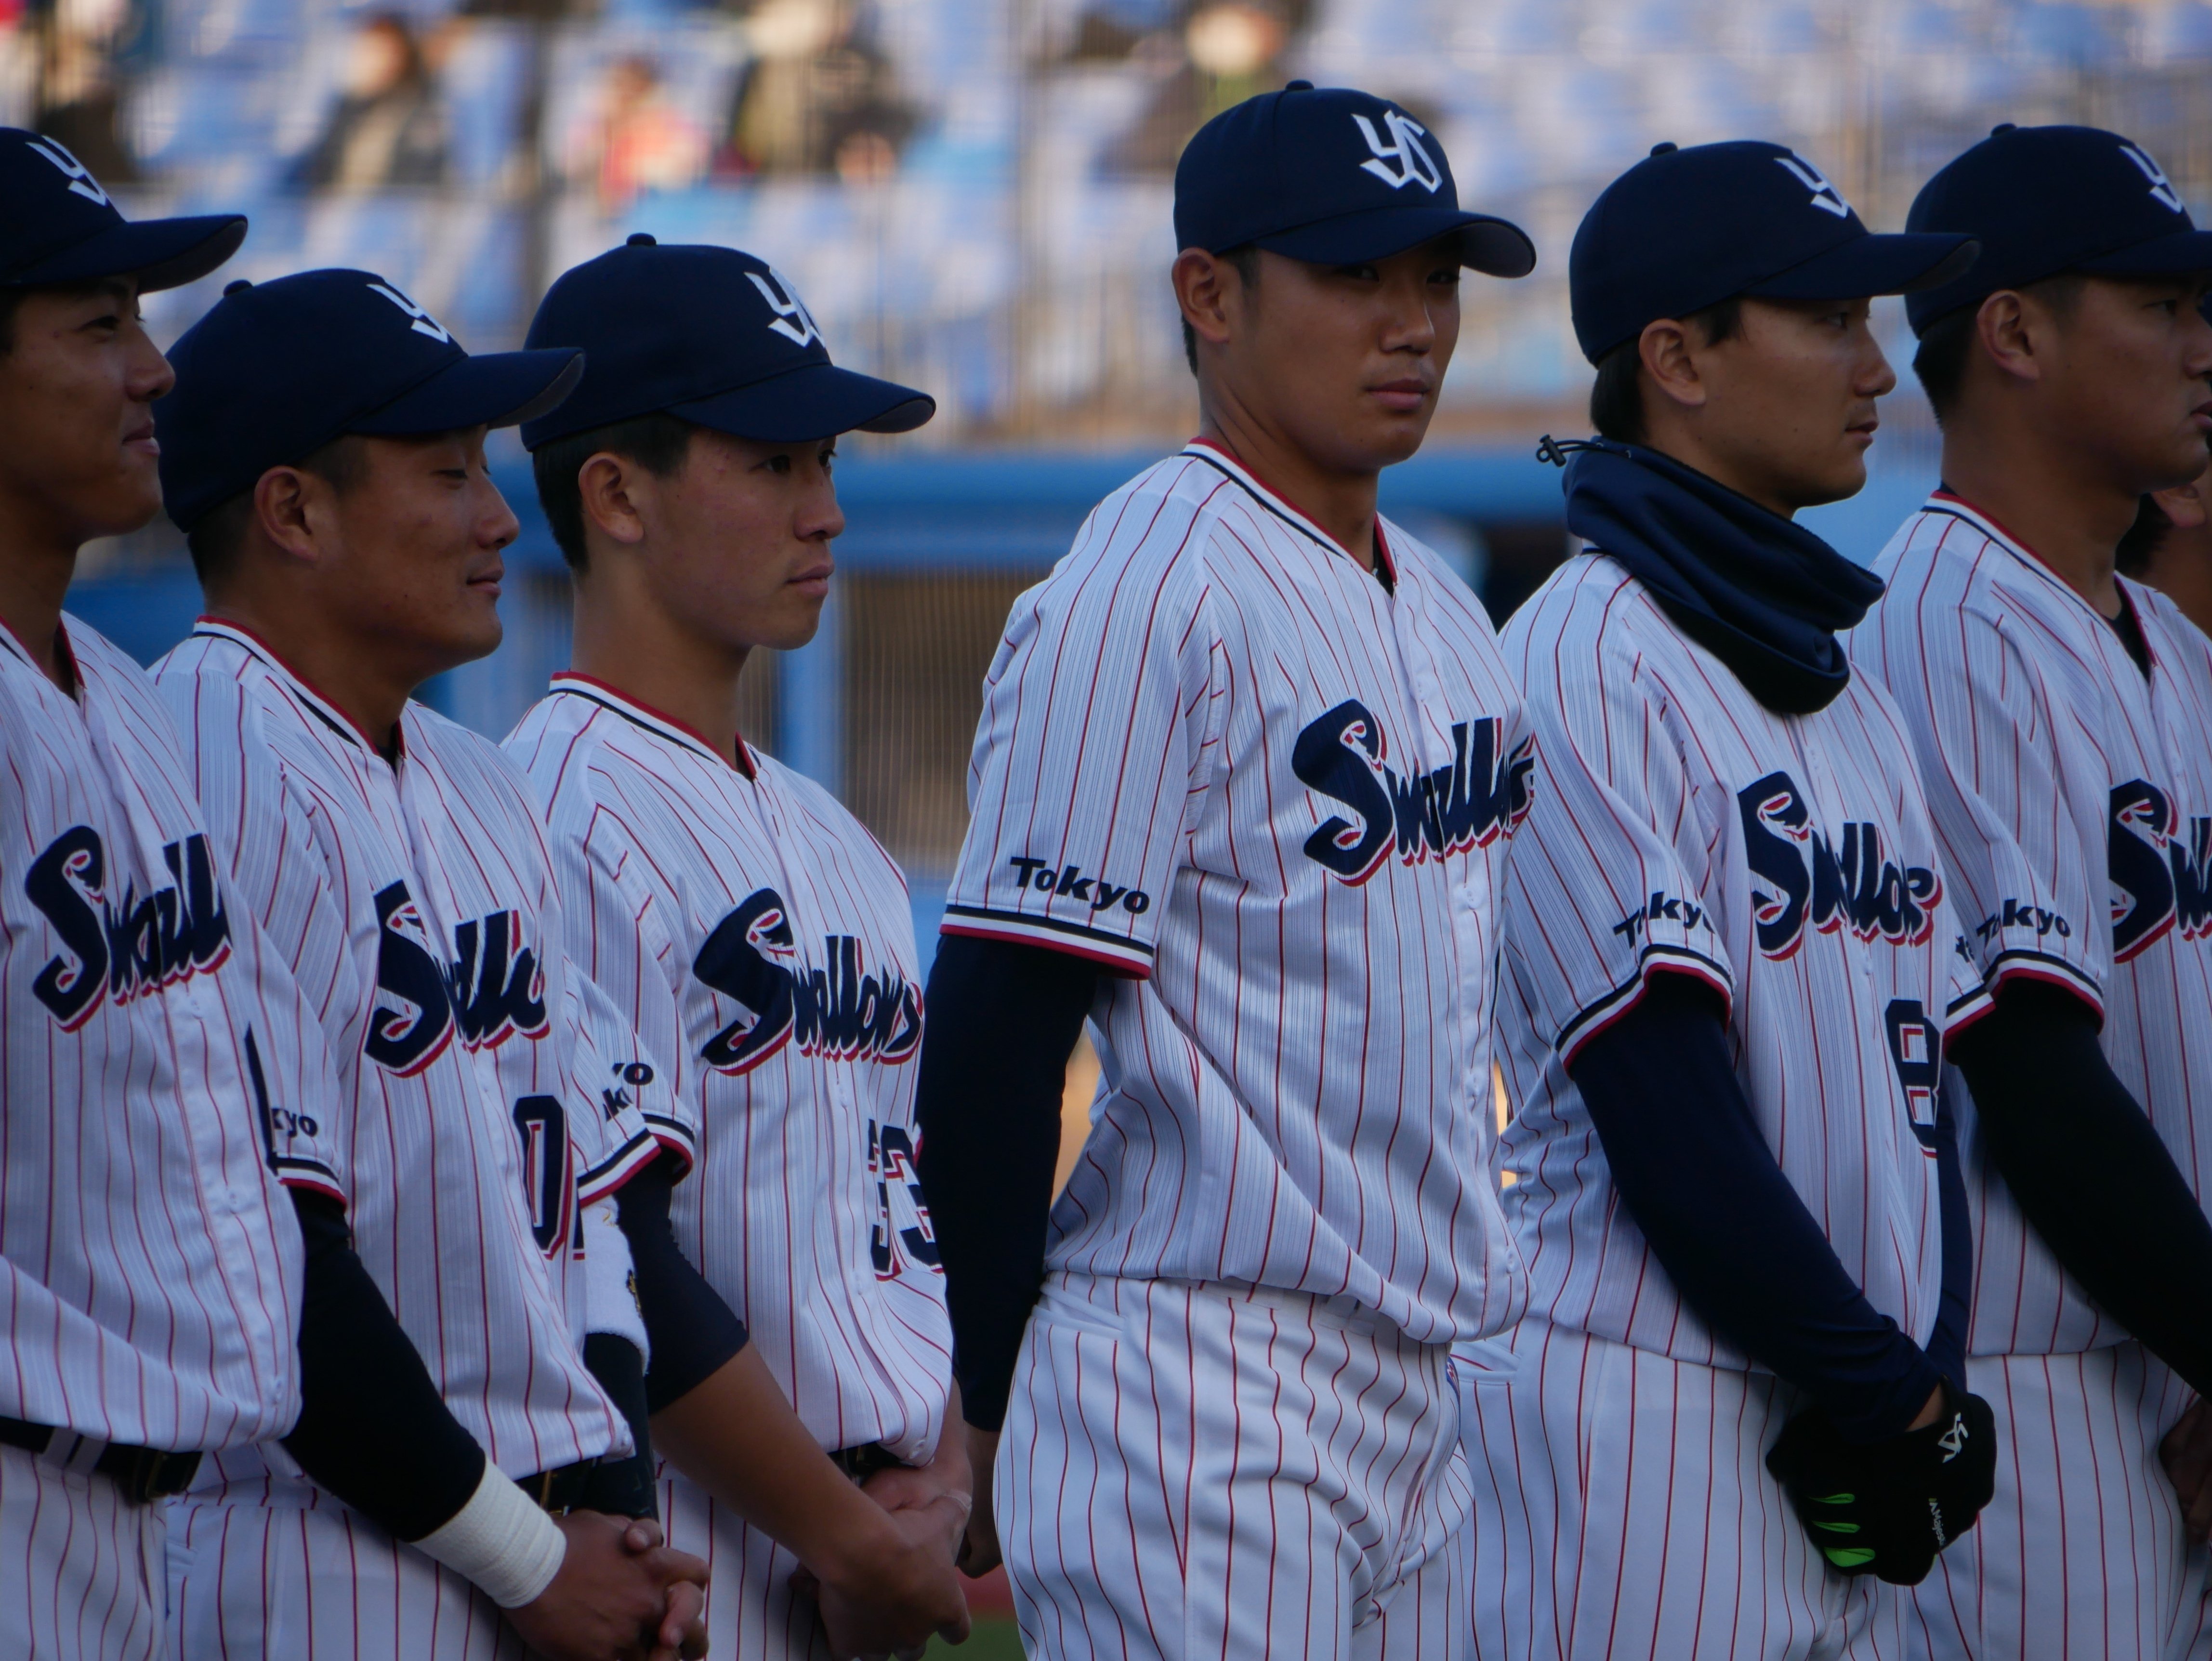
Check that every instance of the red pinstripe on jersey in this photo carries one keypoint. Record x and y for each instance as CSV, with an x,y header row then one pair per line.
x,y
1218,755
1786,860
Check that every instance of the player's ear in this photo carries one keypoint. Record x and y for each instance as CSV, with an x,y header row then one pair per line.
x,y
289,512
609,486
2185,504
1200,291
1664,350
2008,329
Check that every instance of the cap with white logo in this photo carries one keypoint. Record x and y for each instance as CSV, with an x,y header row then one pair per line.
x,y
57,226
1684,230
277,370
1331,176
2044,200
710,336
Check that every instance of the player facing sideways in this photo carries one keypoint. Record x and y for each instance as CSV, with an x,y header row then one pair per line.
x,y
1247,766
1731,974
2169,547
162,1083
758,937
324,452
2062,718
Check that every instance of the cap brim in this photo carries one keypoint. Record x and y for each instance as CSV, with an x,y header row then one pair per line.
x,y
161,254
1494,247
816,400
2163,256
496,389
1872,265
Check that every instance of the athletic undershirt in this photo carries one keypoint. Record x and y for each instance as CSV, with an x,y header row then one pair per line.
x,y
2129,627
2089,1171
691,1330
1693,1171
1003,1019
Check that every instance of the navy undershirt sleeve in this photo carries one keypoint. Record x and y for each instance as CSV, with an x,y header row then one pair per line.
x,y
692,1331
1947,1345
1003,1020
373,1428
1699,1180
2090,1172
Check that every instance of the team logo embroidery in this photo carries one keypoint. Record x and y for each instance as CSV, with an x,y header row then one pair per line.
x,y
2162,188
902,1233
119,951
497,984
2160,872
1825,196
1468,803
791,319
842,1011
81,183
1812,882
1413,165
422,322
493,988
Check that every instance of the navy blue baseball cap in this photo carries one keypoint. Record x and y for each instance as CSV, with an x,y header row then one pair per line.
x,y
1684,230
2044,200
1333,177
57,226
277,370
710,336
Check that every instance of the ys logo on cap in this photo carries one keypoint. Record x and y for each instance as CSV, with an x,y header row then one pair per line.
x,y
1415,165
2161,188
81,183
792,320
1825,196
422,322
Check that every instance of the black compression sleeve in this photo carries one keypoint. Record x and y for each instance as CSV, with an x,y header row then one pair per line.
x,y
2090,1172
692,1331
1946,1346
1003,1019
373,1428
621,1488
1731,1233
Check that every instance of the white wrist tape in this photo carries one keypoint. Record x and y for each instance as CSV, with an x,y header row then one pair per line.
x,y
610,1279
501,1540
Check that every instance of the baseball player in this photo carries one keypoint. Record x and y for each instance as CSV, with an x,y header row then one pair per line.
x,y
1248,763
161,1082
324,452
2061,717
2169,547
758,937
1731,974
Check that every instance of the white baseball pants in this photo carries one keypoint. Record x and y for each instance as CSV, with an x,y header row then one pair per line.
x,y
80,1565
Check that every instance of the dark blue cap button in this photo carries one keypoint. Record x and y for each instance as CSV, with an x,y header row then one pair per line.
x,y
1665,147
1298,86
643,240
237,286
2004,126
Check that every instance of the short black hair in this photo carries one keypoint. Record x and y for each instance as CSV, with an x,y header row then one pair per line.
x,y
1245,256
214,542
1940,361
658,442
1616,405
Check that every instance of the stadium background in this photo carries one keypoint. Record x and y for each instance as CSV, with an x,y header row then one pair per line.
x,y
973,196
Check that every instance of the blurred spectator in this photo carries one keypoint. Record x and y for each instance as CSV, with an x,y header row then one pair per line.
x,y
640,140
79,90
2170,548
817,98
388,127
1227,51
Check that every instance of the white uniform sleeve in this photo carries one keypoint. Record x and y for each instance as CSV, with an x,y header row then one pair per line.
x,y
2023,843
1098,743
1604,880
625,1112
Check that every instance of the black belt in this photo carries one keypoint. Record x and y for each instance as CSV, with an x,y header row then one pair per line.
x,y
144,1474
864,1460
562,1490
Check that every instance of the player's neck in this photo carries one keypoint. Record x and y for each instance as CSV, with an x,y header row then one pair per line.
x,y
624,640
34,577
353,673
2043,496
1342,504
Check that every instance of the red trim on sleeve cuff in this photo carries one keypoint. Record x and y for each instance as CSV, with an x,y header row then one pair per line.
x,y
1135,963
1654,961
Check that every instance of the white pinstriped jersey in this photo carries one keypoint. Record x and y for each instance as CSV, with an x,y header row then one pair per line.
x,y
762,943
1219,756
2073,798
417,904
159,1077
1786,860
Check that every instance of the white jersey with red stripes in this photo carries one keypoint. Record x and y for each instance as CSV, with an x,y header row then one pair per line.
x,y
2072,794
482,1098
1270,791
761,943
159,1079
1787,860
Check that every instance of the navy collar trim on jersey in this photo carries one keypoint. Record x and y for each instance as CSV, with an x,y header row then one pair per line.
x,y
1948,503
303,692
1219,458
618,702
